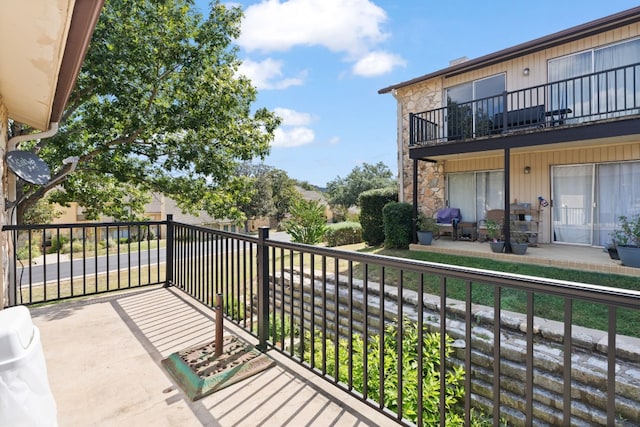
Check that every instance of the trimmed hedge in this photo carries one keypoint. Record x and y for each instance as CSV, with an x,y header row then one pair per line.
x,y
343,233
371,203
397,225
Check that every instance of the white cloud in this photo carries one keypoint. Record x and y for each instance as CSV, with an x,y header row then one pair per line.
x,y
377,63
292,117
334,140
294,130
293,137
351,26
267,74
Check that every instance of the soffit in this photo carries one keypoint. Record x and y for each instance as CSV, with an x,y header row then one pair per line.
x,y
42,45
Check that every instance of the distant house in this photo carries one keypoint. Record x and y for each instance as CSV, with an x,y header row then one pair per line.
x,y
550,127
157,209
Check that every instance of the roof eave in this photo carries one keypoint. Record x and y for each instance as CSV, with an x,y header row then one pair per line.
x,y
584,30
83,23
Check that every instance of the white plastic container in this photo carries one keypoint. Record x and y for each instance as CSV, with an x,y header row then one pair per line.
x,y
25,396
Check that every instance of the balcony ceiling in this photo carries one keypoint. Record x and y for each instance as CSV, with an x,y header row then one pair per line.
x,y
42,45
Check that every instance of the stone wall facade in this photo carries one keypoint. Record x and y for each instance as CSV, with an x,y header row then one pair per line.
x,y
431,179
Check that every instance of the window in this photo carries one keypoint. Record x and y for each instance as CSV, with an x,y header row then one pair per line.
x,y
606,93
474,193
472,105
589,198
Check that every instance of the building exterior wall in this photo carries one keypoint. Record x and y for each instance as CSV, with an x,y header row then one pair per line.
x,y
419,97
429,94
525,188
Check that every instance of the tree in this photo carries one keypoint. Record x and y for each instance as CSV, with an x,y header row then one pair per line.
x,y
158,105
257,200
307,223
271,194
284,193
42,212
345,192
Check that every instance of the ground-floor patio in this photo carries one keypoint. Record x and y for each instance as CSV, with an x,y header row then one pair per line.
x,y
104,355
586,258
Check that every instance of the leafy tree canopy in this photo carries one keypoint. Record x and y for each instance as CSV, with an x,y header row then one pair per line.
x,y
159,106
271,194
345,191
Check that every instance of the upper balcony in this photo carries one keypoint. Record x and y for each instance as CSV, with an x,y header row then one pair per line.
x,y
606,96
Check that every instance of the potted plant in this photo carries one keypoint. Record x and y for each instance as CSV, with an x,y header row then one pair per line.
x,y
627,240
612,250
519,242
426,227
494,231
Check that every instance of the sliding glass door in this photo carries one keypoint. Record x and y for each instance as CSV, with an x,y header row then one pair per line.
x,y
588,199
471,106
474,193
572,195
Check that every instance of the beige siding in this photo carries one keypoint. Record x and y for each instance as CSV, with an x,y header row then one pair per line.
x,y
537,62
525,188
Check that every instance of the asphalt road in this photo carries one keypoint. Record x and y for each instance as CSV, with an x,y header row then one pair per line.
x,y
49,269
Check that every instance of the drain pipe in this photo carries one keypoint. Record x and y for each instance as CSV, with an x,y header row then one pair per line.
x,y
12,144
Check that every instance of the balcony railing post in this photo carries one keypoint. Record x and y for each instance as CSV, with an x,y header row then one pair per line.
x,y
169,263
263,288
412,140
505,111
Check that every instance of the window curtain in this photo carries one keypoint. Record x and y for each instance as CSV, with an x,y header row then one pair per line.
x,y
490,192
574,94
462,192
611,85
572,204
475,193
618,194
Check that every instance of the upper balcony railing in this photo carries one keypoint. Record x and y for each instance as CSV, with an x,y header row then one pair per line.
x,y
596,96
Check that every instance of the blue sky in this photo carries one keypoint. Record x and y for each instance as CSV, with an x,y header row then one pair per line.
x,y
320,63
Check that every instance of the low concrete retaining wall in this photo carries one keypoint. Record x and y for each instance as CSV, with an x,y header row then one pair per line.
x,y
589,353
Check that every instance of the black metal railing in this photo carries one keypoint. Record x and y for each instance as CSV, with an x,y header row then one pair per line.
x,y
596,96
59,261
356,320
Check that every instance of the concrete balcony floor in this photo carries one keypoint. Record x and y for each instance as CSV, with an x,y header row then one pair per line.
x,y
103,360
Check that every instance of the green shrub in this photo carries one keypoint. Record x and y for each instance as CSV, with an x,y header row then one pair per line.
x,y
57,243
371,203
75,246
398,225
388,344
23,252
344,233
339,213
307,223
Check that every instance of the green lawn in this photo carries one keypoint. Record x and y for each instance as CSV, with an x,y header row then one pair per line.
x,y
588,314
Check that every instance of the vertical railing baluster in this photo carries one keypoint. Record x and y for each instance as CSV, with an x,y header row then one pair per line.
x,y
381,350
566,386
496,352
263,288
467,357
170,260
528,394
443,353
420,353
611,364
399,342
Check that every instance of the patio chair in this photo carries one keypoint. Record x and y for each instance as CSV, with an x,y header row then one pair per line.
x,y
447,220
496,215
